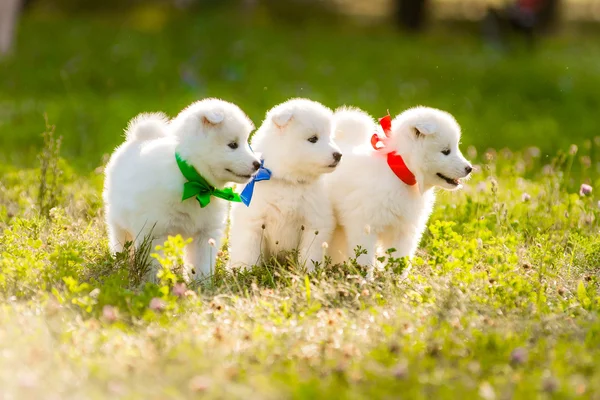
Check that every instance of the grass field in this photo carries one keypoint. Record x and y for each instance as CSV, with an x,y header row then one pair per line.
x,y
503,299
97,73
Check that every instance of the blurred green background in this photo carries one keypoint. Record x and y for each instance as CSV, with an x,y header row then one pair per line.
x,y
92,66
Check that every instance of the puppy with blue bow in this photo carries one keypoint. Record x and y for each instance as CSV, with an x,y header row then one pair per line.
x,y
286,209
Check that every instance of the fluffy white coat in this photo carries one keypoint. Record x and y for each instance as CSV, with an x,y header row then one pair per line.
x,y
144,186
374,209
291,211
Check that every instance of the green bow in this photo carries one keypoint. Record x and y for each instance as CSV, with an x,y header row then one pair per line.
x,y
198,187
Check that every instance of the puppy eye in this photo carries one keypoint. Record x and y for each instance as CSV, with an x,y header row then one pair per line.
x,y
233,145
313,139
446,152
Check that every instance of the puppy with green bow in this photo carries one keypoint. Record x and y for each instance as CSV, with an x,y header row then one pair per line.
x,y
171,177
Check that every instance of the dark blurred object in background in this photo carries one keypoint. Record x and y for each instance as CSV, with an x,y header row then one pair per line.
x,y
411,14
525,17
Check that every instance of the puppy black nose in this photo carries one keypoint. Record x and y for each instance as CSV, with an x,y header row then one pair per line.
x,y
256,165
337,156
468,169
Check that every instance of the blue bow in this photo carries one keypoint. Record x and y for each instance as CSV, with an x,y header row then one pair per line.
x,y
263,174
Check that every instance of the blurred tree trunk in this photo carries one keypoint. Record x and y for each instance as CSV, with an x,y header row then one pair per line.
x,y
411,14
9,14
548,15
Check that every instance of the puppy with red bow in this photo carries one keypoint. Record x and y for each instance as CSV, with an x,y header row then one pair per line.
x,y
383,192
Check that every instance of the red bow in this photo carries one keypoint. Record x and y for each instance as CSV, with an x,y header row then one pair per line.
x,y
395,161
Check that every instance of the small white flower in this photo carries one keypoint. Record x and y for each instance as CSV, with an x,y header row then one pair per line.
x,y
586,161
585,189
212,242
179,289
199,383
157,304
506,153
535,152
573,149
486,391
325,245
109,313
519,356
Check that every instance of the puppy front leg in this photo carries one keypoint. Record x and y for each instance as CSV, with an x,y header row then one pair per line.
x,y
311,248
405,245
245,247
367,242
153,264
202,254
117,237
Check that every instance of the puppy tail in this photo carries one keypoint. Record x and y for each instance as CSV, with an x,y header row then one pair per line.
x,y
147,127
352,127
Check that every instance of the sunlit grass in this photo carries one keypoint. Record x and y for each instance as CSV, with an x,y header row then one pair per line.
x,y
502,301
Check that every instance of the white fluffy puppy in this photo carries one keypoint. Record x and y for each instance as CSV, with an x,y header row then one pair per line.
x,y
290,211
144,184
382,198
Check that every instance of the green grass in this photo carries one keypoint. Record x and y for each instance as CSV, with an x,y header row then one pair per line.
x,y
97,73
503,299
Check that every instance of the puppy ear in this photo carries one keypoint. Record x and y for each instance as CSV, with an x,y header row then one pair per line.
x,y
282,118
214,117
425,128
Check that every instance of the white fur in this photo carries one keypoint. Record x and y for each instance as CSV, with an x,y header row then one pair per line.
x,y
374,209
295,196
144,186
147,126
